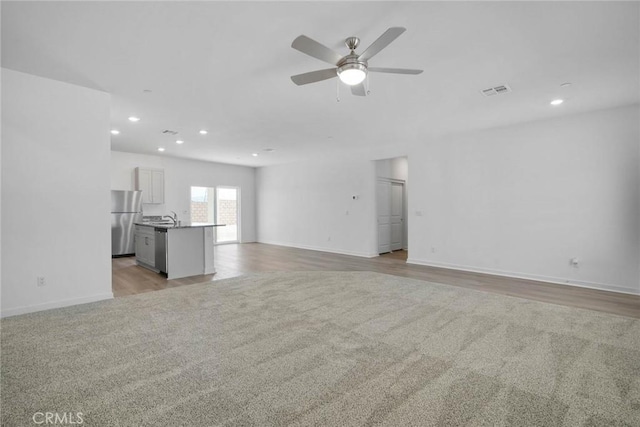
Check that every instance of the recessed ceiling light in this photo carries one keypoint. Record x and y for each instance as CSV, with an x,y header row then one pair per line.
x,y
160,148
254,154
134,119
269,150
203,132
557,101
567,84
179,141
115,131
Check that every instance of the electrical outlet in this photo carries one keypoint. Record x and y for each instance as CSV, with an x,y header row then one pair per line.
x,y
433,250
40,281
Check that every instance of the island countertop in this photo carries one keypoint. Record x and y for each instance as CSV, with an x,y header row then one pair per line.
x,y
180,224
181,250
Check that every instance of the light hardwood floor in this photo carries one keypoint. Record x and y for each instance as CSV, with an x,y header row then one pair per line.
x,y
237,259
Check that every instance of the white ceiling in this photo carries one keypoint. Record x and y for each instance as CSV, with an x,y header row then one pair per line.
x,y
225,67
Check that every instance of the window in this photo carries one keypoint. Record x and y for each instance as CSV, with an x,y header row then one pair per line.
x,y
227,213
219,205
202,208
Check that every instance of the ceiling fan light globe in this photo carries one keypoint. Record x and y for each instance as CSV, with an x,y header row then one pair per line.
x,y
352,74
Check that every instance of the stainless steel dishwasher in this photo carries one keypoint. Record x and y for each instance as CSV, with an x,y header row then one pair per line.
x,y
161,249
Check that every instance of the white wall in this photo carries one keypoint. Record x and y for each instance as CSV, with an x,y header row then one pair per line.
x,y
55,194
180,175
523,200
1,208
310,205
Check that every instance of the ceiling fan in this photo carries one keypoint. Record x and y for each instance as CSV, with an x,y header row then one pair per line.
x,y
352,69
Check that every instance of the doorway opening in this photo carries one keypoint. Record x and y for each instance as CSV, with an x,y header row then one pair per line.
x,y
227,213
390,197
391,205
218,205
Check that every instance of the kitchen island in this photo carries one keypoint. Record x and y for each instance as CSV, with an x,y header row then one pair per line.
x,y
181,250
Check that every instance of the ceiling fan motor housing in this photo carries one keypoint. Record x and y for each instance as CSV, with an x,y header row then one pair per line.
x,y
351,62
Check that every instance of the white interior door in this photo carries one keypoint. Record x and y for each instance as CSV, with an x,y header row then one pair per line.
x,y
384,216
396,217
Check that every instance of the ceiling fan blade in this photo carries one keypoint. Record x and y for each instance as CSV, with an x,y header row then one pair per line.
x,y
394,70
314,76
312,48
383,41
358,90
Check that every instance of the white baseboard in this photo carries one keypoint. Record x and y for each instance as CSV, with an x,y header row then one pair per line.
x,y
319,249
540,278
54,304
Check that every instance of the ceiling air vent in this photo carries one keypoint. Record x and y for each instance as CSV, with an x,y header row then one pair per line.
x,y
495,90
169,132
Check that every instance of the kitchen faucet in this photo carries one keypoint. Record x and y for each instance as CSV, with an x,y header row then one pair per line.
x,y
173,217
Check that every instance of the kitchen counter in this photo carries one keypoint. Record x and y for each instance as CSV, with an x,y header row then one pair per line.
x,y
181,250
180,224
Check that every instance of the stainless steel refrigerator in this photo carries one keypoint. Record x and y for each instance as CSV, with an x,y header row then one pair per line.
x,y
126,209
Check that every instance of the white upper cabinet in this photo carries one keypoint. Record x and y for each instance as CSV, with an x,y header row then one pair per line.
x,y
151,182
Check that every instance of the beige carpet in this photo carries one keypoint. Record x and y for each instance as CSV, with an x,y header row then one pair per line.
x,y
322,348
